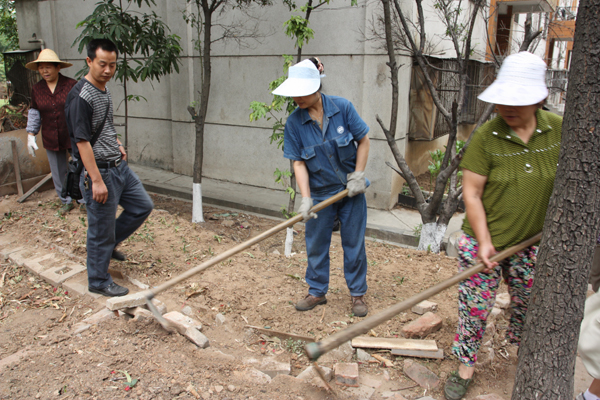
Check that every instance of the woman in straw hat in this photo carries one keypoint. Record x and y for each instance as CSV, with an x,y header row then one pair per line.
x,y
508,177
328,143
47,111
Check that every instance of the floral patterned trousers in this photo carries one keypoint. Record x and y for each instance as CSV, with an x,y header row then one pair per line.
x,y
477,295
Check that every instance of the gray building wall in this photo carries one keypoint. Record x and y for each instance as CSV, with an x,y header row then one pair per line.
x,y
161,131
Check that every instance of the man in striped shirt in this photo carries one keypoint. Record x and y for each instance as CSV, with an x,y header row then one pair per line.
x,y
107,180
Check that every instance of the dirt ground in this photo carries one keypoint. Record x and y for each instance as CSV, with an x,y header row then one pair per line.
x,y
255,287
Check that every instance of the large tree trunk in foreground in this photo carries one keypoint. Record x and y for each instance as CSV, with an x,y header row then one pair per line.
x,y
548,350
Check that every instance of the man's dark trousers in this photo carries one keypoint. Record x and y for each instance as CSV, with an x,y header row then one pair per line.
x,y
104,231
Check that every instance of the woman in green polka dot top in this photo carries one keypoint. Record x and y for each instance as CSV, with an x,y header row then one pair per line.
x,y
508,176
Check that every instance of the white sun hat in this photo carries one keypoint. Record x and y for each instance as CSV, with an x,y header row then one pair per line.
x,y
521,81
303,79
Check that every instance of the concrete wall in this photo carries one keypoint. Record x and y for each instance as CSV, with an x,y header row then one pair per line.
x,y
161,132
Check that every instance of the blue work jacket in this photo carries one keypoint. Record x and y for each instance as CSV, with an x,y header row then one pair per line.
x,y
329,154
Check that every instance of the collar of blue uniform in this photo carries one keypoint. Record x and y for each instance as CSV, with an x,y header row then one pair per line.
x,y
329,109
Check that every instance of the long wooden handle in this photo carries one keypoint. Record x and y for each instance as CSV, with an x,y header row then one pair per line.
x,y
315,350
245,245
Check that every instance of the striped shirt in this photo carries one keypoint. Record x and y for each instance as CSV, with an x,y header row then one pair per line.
x,y
520,176
85,109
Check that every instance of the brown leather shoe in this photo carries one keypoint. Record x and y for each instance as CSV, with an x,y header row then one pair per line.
x,y
310,302
359,307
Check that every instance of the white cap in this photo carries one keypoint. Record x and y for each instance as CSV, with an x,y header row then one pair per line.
x,y
521,81
303,79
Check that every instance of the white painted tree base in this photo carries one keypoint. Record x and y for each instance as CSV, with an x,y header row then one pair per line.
x,y
432,235
197,214
289,240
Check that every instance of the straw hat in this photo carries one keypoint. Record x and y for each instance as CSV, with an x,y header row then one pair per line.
x,y
49,56
303,79
521,81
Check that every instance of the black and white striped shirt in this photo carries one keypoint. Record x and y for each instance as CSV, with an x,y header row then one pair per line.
x,y
84,110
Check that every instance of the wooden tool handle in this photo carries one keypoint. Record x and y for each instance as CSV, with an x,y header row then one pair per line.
x,y
245,245
315,350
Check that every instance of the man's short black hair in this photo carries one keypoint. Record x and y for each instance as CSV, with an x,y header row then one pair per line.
x,y
104,44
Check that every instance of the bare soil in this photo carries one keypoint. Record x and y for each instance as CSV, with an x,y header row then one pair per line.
x,y
255,287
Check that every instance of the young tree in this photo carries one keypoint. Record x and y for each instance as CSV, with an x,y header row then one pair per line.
x,y
203,20
136,34
402,33
549,346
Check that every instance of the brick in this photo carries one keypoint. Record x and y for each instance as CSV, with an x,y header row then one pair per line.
x,y
13,358
343,353
57,275
491,396
346,374
160,306
137,283
182,322
421,375
423,326
424,306
310,373
128,301
6,240
142,313
502,300
273,367
196,337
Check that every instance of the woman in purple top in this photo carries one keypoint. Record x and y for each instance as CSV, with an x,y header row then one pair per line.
x,y
47,112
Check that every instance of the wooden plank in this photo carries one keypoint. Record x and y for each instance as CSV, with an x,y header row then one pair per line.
x,y
393,343
282,335
439,354
36,187
17,167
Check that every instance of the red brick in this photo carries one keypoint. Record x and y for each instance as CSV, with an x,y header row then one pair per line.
x,y
346,374
421,375
423,326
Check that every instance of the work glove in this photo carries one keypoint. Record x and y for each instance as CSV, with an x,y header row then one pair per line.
x,y
305,207
357,183
31,145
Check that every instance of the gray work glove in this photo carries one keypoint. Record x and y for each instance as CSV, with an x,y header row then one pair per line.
x,y
357,183
305,207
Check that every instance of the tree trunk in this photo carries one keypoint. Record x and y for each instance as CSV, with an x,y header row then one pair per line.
x,y
548,349
125,138
197,213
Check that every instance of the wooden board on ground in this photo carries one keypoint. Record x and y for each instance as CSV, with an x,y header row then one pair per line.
x,y
282,335
439,354
17,167
394,343
36,187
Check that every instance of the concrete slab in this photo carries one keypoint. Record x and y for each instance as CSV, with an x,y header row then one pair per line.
x,y
35,266
19,257
57,275
79,285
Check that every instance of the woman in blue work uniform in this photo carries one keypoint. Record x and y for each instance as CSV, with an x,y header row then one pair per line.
x,y
328,143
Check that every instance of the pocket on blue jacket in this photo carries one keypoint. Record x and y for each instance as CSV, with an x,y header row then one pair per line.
x,y
346,147
309,156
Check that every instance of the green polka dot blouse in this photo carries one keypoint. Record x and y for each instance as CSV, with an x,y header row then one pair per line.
x,y
520,176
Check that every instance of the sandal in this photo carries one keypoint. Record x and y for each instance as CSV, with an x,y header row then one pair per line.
x,y
456,387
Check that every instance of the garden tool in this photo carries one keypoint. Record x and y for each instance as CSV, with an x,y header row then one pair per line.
x,y
149,294
316,350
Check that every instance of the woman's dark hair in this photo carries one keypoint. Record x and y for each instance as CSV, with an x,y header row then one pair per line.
x,y
317,63
104,44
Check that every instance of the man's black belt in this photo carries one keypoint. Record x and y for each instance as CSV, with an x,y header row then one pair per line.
x,y
108,164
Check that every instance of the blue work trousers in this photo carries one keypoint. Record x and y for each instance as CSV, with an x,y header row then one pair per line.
x,y
104,231
352,212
